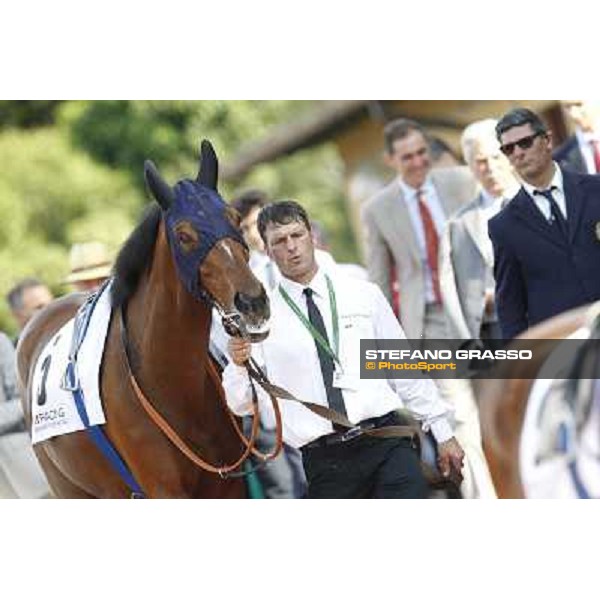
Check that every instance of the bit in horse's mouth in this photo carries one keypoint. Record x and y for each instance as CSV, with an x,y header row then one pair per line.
x,y
236,325
258,333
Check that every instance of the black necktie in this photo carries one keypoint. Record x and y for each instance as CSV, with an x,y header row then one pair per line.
x,y
334,394
557,217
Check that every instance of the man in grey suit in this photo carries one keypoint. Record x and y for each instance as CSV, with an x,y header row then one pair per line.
x,y
466,254
467,280
403,224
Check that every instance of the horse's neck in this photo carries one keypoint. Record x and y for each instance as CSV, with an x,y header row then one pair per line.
x,y
169,331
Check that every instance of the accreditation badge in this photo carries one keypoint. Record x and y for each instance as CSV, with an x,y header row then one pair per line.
x,y
344,381
597,230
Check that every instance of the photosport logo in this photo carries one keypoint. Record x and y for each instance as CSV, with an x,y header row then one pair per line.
x,y
459,359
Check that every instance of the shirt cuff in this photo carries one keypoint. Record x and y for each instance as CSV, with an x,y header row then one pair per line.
x,y
441,430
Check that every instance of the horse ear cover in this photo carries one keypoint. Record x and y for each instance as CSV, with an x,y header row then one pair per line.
x,y
209,166
159,188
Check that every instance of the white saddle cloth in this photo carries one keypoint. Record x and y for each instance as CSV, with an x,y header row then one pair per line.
x,y
58,414
546,471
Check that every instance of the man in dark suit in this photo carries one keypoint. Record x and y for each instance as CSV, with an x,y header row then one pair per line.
x,y
547,240
581,151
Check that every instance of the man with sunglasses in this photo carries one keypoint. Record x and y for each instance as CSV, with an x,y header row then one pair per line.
x,y
547,239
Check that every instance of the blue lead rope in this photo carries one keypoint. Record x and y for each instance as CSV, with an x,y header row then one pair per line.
x,y
71,383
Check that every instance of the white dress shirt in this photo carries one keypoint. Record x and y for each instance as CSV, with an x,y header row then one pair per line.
x,y
558,194
290,358
584,140
439,219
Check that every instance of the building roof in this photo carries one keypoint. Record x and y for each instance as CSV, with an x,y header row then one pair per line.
x,y
330,118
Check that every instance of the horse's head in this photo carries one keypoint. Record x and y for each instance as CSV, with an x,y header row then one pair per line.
x,y
207,246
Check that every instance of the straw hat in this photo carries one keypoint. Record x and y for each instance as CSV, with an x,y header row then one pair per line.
x,y
89,260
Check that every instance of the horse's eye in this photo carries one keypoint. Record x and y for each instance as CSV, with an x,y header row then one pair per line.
x,y
184,238
187,237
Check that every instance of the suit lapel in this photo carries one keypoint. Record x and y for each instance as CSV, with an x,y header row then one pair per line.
x,y
396,212
577,161
444,199
477,230
525,209
574,200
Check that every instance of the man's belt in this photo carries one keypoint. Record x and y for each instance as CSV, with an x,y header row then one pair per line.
x,y
364,427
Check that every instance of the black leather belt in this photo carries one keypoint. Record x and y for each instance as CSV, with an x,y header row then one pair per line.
x,y
341,437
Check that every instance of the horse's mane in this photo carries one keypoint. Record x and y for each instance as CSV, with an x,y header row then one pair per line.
x,y
134,257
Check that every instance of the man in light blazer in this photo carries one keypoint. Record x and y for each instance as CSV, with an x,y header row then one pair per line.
x,y
467,281
402,242
403,224
466,254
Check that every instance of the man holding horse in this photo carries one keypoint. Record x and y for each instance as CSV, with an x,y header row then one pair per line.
x,y
318,320
547,240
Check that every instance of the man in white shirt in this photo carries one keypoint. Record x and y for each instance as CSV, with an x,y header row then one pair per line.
x,y
313,350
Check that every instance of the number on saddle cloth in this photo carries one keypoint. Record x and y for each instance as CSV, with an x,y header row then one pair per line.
x,y
82,320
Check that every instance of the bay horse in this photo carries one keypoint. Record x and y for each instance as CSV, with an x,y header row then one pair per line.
x,y
186,257
503,402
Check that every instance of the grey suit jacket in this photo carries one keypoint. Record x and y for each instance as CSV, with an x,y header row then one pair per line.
x,y
11,414
390,240
466,262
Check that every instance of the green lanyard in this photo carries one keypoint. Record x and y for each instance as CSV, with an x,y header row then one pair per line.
x,y
311,329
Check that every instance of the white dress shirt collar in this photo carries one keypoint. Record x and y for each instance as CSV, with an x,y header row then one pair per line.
x,y
490,205
296,290
557,181
411,192
487,200
558,194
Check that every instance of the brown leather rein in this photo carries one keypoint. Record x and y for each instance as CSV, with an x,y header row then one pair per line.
x,y
255,374
223,471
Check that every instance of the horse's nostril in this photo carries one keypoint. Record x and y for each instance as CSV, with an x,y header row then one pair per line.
x,y
251,304
243,302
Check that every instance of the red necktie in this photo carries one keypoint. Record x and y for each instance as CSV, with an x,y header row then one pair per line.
x,y
596,150
432,242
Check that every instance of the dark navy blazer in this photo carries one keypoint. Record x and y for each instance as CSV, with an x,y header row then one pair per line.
x,y
539,273
569,156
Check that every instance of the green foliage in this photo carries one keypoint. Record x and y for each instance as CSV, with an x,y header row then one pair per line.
x,y
125,133
27,113
73,171
46,188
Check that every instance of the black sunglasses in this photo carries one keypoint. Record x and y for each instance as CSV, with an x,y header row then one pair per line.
x,y
523,143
